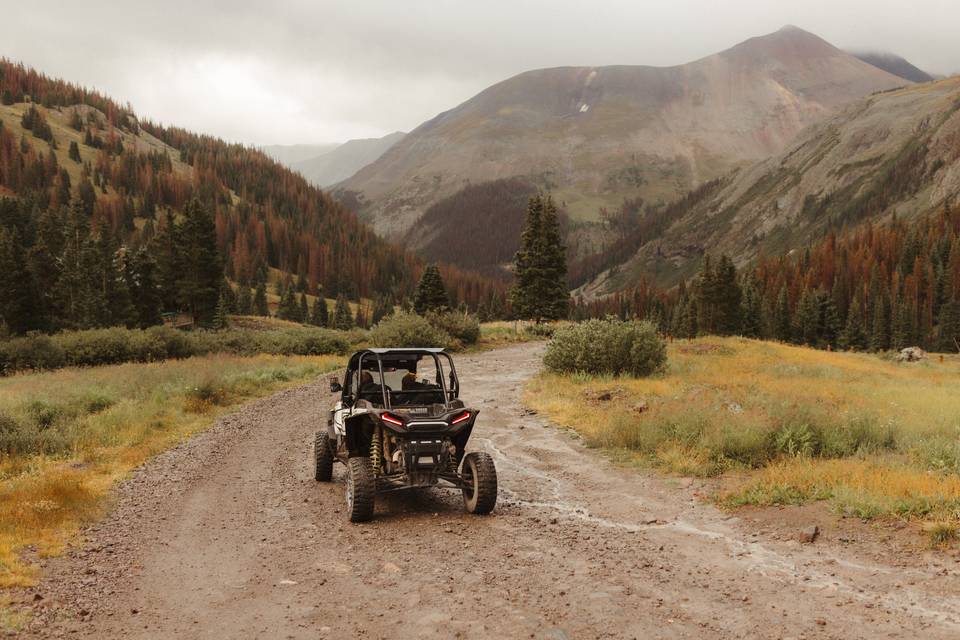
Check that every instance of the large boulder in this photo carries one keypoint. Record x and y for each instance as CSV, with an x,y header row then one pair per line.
x,y
911,354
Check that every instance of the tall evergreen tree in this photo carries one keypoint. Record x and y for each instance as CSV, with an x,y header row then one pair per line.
x,y
854,334
540,267
288,308
431,295
303,313
260,305
342,318
244,300
142,281
78,289
319,316
221,318
750,310
170,264
199,283
16,295
527,267
553,290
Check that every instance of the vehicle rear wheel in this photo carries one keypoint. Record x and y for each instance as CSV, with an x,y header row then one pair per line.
x,y
361,489
322,457
480,483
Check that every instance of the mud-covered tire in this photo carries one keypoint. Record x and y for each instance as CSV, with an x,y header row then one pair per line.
x,y
480,480
322,457
361,489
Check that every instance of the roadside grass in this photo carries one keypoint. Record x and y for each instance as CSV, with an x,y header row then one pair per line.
x,y
67,436
503,333
783,425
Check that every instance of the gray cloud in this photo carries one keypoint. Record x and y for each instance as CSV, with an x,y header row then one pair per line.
x,y
300,71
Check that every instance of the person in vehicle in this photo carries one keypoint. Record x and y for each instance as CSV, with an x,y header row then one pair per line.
x,y
369,389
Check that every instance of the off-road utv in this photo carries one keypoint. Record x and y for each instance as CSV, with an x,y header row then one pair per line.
x,y
399,424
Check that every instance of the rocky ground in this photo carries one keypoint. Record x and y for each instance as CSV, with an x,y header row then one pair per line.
x,y
229,536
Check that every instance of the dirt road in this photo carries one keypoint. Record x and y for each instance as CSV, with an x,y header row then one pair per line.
x,y
228,536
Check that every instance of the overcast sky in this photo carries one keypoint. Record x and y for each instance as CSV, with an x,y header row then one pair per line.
x,y
301,71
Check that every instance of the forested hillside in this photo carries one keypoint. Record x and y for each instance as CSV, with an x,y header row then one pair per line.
x,y
78,162
875,288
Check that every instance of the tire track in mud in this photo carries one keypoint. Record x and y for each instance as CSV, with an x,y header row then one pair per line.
x,y
229,536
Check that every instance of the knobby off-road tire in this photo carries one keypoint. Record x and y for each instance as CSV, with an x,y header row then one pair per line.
x,y
361,489
322,457
480,477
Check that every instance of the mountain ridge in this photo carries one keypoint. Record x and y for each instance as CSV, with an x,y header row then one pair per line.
x,y
598,135
892,153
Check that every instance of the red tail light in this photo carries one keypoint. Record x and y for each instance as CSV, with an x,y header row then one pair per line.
x,y
391,419
463,417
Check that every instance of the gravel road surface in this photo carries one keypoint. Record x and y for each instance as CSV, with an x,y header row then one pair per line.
x,y
229,536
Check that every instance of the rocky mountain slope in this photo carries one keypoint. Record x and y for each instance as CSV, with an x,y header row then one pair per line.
x,y
343,161
892,153
896,65
595,136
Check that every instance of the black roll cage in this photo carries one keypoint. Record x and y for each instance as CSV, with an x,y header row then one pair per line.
x,y
448,394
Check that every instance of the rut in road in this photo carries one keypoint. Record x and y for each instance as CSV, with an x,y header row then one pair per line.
x,y
229,536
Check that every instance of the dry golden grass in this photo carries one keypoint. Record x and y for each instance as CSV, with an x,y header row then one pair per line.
x,y
108,420
502,333
787,424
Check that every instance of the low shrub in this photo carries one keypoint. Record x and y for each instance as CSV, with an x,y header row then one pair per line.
x,y
403,329
608,346
464,327
18,438
541,330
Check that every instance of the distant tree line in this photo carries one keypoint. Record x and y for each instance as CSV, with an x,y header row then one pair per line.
x,y
876,288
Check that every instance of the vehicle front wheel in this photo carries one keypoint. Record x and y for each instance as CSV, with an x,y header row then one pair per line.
x,y
322,457
480,483
361,489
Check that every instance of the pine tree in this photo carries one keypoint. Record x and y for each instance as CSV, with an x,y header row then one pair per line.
x,y
244,301
78,288
553,289
319,316
382,308
167,254
880,326
806,319
854,334
431,295
16,296
288,308
750,310
142,281
342,318
949,332
782,324
7,98
221,318
303,313
202,274
74,152
527,264
260,305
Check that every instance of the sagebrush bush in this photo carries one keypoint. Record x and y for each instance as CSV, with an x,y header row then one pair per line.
x,y
97,347
464,327
541,330
403,329
20,437
608,346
